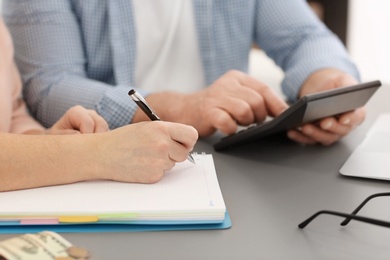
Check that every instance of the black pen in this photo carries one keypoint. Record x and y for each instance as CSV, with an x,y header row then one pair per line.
x,y
141,102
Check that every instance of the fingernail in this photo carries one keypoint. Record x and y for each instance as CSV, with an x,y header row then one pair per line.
x,y
308,130
291,135
346,121
327,125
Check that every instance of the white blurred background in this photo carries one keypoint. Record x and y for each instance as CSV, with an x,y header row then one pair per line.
x,y
369,37
368,42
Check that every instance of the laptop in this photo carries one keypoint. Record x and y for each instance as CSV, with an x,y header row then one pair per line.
x,y
307,109
371,159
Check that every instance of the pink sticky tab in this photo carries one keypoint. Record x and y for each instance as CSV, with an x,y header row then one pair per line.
x,y
39,221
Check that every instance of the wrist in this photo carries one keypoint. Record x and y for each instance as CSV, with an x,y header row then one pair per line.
x,y
325,79
94,166
77,157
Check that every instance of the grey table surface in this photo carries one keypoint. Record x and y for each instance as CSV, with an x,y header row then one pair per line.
x,y
269,187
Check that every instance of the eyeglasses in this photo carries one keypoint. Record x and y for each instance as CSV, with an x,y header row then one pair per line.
x,y
349,217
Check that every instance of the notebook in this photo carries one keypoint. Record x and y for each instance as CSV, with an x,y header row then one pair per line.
x,y
187,197
371,159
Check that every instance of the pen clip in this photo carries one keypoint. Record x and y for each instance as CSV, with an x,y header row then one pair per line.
x,y
143,104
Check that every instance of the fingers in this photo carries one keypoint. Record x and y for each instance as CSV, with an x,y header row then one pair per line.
x,y
83,120
274,104
177,141
227,112
100,125
238,99
184,135
222,120
310,134
87,121
177,153
169,164
244,103
331,129
353,118
299,137
261,99
328,130
165,143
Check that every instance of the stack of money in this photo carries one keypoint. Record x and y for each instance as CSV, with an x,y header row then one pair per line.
x,y
41,246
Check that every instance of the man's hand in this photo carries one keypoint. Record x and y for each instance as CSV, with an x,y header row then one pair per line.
x,y
331,129
234,99
79,120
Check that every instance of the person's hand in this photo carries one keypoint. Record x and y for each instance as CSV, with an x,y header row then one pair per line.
x,y
141,152
331,129
79,120
234,99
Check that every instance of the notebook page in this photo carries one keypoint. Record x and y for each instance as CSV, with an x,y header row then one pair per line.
x,y
186,188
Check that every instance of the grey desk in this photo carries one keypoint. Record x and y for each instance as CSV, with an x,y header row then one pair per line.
x,y
269,188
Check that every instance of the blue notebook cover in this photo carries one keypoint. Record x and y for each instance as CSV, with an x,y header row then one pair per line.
x,y
16,228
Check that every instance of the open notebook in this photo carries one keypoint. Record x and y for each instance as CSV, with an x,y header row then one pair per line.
x,y
187,197
371,159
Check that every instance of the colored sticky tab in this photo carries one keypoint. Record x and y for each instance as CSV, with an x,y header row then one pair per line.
x,y
118,216
39,221
78,219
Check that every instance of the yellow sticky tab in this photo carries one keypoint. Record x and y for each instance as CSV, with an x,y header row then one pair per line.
x,y
78,219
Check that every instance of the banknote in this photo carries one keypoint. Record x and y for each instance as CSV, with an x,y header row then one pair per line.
x,y
41,246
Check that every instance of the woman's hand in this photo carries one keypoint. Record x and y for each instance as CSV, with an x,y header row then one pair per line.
x,y
79,120
141,152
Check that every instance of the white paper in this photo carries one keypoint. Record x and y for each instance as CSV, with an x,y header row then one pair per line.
x,y
185,189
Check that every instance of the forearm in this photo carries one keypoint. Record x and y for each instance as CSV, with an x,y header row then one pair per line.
x,y
111,102
59,73
35,161
306,61
299,43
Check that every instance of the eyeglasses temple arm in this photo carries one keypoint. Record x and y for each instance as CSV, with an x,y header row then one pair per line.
x,y
347,220
354,217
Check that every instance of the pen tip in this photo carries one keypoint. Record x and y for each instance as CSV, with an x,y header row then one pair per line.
x,y
190,158
131,92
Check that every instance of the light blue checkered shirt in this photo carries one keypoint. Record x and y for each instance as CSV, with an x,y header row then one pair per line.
x,y
83,52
